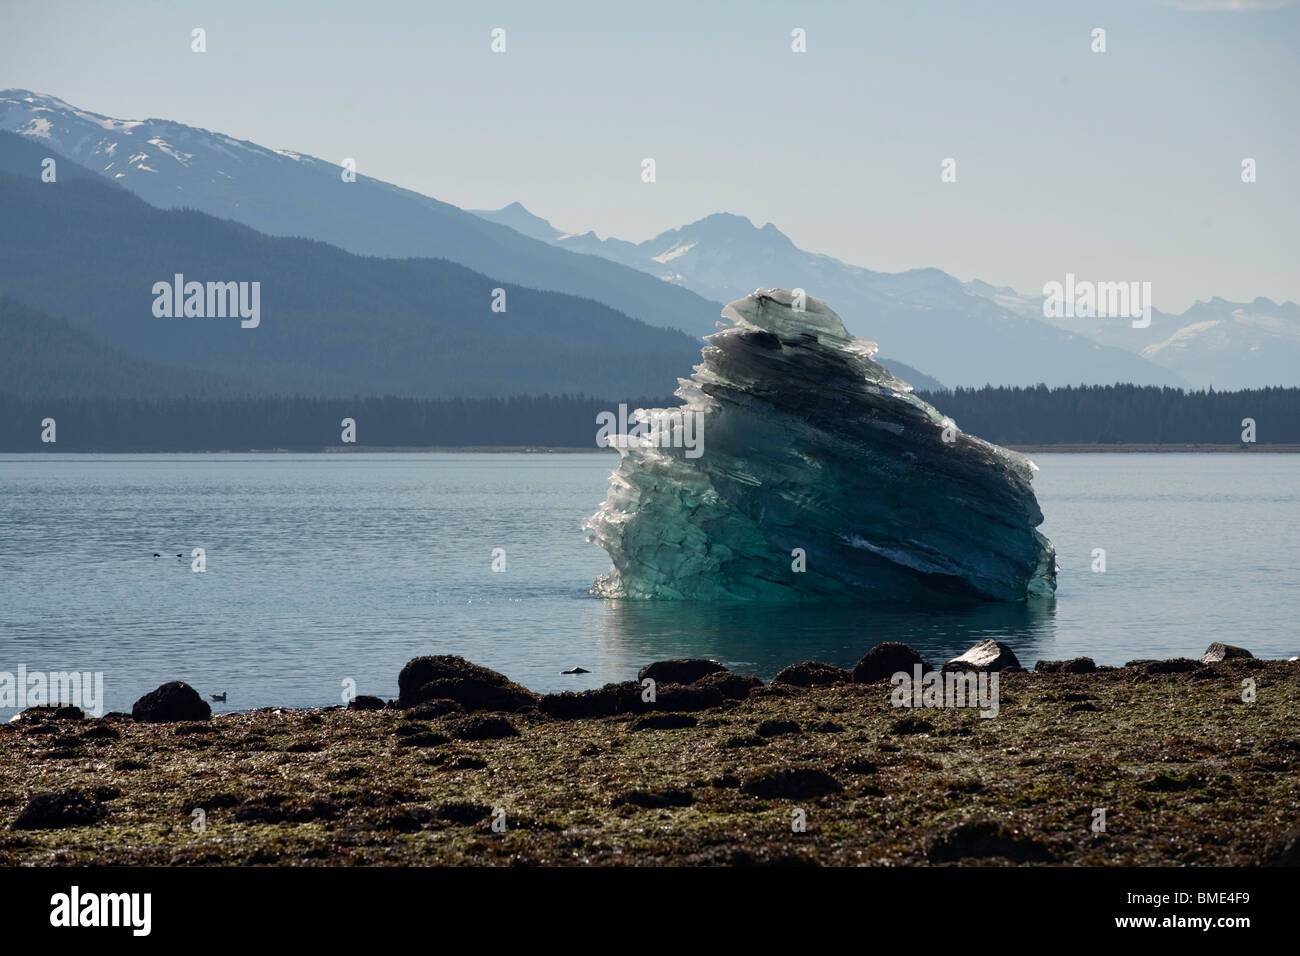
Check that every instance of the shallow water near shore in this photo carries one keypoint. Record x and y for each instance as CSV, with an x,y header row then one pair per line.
x,y
327,568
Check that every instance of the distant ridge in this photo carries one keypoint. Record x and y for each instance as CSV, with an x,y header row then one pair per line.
x,y
332,323
286,193
966,334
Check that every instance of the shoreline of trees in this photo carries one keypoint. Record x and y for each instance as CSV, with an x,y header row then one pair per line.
x,y
1074,415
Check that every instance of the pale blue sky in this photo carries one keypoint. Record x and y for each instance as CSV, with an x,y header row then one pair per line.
x,y
1122,165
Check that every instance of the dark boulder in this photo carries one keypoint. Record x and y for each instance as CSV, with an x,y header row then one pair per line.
x,y
448,677
365,702
173,701
58,809
989,655
484,728
1176,665
983,839
777,728
911,725
683,698
52,712
731,686
462,812
627,698
434,708
602,702
795,783
682,670
885,660
813,674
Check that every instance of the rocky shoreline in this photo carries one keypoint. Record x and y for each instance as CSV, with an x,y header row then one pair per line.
x,y
1178,762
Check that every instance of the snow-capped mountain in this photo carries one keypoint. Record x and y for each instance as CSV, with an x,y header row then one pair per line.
x,y
923,317
81,261
1230,344
286,193
961,333
1220,344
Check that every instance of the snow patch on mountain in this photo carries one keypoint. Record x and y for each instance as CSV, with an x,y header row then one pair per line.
x,y
675,252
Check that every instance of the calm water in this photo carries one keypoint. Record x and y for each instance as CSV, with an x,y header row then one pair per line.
x,y
322,568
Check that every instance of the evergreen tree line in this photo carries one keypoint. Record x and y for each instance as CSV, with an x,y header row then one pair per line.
x,y
1008,416
240,424
1107,414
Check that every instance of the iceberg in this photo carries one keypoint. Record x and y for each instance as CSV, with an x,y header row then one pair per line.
x,y
815,474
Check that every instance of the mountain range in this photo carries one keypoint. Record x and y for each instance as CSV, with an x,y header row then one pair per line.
x,y
286,193
988,334
84,257
427,332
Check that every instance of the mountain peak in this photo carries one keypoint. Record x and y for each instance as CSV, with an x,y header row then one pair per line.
x,y
518,218
722,223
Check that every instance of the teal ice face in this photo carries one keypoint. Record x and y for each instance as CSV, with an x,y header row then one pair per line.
x,y
821,477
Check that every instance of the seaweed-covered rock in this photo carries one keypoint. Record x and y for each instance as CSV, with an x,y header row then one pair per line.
x,y
173,701
886,659
1176,665
629,698
911,725
58,809
795,783
777,728
982,839
812,674
365,702
1075,665
480,727
461,811
683,697
448,677
52,712
434,708
602,702
731,686
681,670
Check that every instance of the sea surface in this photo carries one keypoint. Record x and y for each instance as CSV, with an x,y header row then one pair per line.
x,y
333,568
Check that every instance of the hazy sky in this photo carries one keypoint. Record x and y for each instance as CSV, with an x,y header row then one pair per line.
x,y
1117,165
